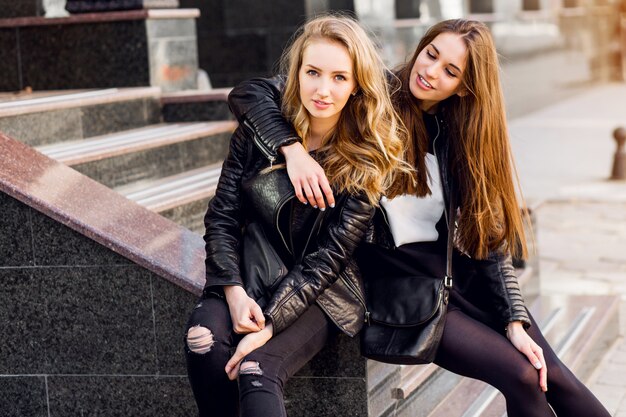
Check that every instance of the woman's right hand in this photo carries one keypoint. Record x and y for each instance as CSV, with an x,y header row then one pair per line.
x,y
308,177
245,313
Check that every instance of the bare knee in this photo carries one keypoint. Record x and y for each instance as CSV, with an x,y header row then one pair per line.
x,y
250,368
200,339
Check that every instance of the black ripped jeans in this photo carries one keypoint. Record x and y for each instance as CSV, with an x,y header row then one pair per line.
x,y
252,395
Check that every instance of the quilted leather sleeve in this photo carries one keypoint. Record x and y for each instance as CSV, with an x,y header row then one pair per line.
x,y
224,219
505,291
256,105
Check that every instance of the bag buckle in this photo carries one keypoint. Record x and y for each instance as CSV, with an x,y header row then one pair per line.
x,y
447,282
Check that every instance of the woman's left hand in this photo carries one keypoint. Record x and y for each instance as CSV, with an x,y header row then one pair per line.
x,y
524,343
248,344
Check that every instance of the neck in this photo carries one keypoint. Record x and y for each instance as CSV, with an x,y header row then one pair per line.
x,y
320,128
429,107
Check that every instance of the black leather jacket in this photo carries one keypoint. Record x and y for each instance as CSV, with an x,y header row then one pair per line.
x,y
326,275
490,283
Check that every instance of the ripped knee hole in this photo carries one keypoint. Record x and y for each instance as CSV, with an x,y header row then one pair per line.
x,y
250,368
200,339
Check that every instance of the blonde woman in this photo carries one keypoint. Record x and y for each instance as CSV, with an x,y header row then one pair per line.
x,y
451,102
335,98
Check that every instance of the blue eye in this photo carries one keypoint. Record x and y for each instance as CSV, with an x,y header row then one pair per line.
x,y
311,72
340,78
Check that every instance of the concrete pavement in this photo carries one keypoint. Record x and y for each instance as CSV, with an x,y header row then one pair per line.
x,y
564,154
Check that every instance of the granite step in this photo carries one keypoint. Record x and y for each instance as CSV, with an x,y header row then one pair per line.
x,y
196,105
147,153
579,328
182,198
47,117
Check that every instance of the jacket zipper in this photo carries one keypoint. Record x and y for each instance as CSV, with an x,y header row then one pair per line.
x,y
356,293
260,145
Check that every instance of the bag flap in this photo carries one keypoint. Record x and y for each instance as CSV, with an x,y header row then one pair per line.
x,y
403,301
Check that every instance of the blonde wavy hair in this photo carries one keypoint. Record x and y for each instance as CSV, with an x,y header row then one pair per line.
x,y
366,146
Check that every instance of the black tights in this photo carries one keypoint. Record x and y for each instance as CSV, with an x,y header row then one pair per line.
x,y
472,349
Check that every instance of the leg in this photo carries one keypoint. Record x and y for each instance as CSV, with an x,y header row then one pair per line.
x,y
472,349
566,394
264,372
208,346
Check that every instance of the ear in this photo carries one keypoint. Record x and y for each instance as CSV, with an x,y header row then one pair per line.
x,y
462,92
356,90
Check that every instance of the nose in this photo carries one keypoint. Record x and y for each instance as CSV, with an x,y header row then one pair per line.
x,y
431,71
323,88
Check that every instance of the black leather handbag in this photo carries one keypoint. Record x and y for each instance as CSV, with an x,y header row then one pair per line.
x,y
405,327
262,267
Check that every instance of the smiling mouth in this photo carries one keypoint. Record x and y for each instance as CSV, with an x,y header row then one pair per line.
x,y
423,81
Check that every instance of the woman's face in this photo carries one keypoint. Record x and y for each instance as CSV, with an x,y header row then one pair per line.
x,y
438,70
326,80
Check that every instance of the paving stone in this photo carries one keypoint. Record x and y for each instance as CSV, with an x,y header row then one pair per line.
x,y
614,375
609,396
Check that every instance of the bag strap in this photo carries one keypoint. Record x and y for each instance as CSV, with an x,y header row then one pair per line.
x,y
447,281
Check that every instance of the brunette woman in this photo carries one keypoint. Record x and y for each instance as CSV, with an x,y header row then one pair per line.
x,y
336,99
450,100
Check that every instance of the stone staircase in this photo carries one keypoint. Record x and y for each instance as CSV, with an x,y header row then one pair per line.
x,y
116,137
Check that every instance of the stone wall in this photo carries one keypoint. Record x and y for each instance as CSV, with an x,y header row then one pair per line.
x,y
85,331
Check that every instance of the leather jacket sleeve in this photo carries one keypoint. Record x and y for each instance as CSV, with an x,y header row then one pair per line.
x,y
224,219
505,291
321,268
256,105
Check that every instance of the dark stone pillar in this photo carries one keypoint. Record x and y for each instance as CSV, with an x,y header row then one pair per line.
x,y
407,9
531,5
481,6
244,39
21,8
343,5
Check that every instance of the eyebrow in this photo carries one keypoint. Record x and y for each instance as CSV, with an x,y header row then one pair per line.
x,y
451,64
320,70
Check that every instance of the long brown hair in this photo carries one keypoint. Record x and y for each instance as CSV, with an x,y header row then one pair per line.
x,y
366,146
482,164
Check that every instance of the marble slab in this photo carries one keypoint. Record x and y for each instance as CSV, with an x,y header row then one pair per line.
x,y
103,215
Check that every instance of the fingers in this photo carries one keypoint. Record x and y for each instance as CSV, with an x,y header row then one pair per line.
x,y
297,187
317,192
543,371
328,192
535,356
534,360
308,194
258,316
232,368
247,325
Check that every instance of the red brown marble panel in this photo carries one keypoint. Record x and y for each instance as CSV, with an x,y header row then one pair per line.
x,y
101,214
